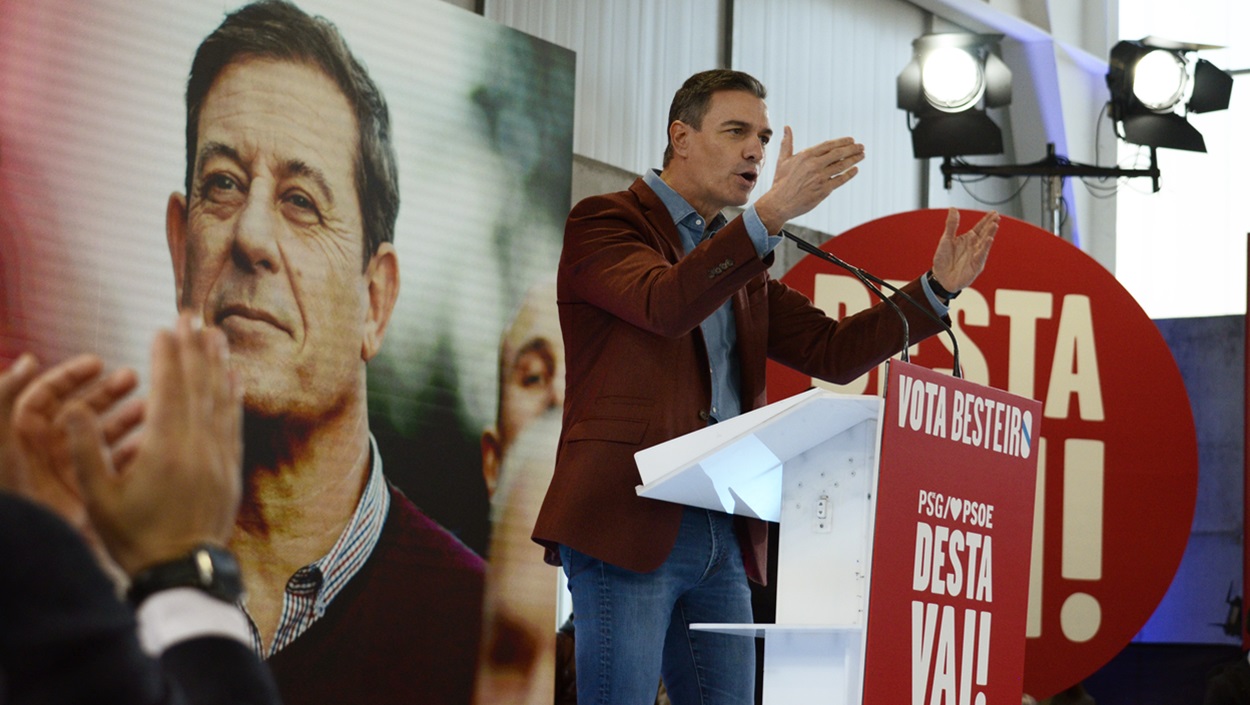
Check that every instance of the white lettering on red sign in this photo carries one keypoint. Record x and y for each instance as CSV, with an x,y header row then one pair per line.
x,y
993,425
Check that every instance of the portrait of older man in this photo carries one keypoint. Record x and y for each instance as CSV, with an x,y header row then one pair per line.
x,y
283,239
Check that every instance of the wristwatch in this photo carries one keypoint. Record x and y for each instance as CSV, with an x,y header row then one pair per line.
x,y
210,568
938,290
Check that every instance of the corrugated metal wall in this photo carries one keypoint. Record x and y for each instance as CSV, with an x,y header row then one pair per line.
x,y
830,68
812,54
631,56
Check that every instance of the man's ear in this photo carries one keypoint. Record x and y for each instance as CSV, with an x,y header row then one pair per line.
x,y
492,456
679,136
176,238
382,277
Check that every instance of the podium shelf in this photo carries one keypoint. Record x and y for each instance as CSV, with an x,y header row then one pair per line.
x,y
761,631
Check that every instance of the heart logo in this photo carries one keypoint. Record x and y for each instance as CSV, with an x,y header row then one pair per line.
x,y
957,508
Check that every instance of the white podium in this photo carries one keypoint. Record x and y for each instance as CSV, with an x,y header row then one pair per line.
x,y
810,463
920,503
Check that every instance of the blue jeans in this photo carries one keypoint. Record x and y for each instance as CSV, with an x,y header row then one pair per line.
x,y
632,628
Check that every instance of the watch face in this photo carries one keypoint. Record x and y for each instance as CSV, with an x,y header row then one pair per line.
x,y
203,566
222,577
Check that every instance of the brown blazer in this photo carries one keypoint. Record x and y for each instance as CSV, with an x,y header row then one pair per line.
x,y
637,369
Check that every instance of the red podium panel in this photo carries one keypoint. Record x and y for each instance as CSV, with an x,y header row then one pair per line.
x,y
951,550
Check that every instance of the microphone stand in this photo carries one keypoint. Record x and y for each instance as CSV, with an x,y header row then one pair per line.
x,y
865,278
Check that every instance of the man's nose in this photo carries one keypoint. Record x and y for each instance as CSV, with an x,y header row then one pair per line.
x,y
553,396
555,390
754,151
255,246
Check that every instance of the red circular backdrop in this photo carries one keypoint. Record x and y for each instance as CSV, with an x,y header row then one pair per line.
x,y
1120,460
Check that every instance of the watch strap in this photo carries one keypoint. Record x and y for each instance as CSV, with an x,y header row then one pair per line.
x,y
939,290
209,568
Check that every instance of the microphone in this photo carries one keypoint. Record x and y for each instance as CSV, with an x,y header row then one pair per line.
x,y
865,277
862,276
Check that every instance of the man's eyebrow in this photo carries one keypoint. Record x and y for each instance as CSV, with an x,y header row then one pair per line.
x,y
297,167
539,346
212,150
767,132
292,167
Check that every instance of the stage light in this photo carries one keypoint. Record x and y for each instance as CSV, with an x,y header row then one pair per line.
x,y
1159,82
951,79
1155,84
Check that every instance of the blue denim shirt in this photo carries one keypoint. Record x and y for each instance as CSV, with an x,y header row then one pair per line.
x,y
719,332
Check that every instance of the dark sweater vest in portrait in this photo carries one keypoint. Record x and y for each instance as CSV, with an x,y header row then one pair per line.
x,y
405,629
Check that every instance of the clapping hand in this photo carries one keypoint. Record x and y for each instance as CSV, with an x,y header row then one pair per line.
x,y
34,455
181,483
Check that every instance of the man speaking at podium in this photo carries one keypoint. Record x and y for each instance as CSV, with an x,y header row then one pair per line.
x,y
668,315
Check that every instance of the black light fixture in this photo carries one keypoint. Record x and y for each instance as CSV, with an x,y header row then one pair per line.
x,y
945,89
1155,84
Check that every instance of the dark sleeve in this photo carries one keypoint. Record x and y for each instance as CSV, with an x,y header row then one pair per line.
x,y
65,637
217,670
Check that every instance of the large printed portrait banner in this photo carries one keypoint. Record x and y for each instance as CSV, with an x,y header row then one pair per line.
x,y
466,368
1117,458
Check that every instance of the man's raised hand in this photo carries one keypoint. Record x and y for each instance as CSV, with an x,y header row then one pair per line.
x,y
803,180
959,259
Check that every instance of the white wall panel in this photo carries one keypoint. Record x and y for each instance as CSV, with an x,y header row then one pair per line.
x,y
632,55
830,68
